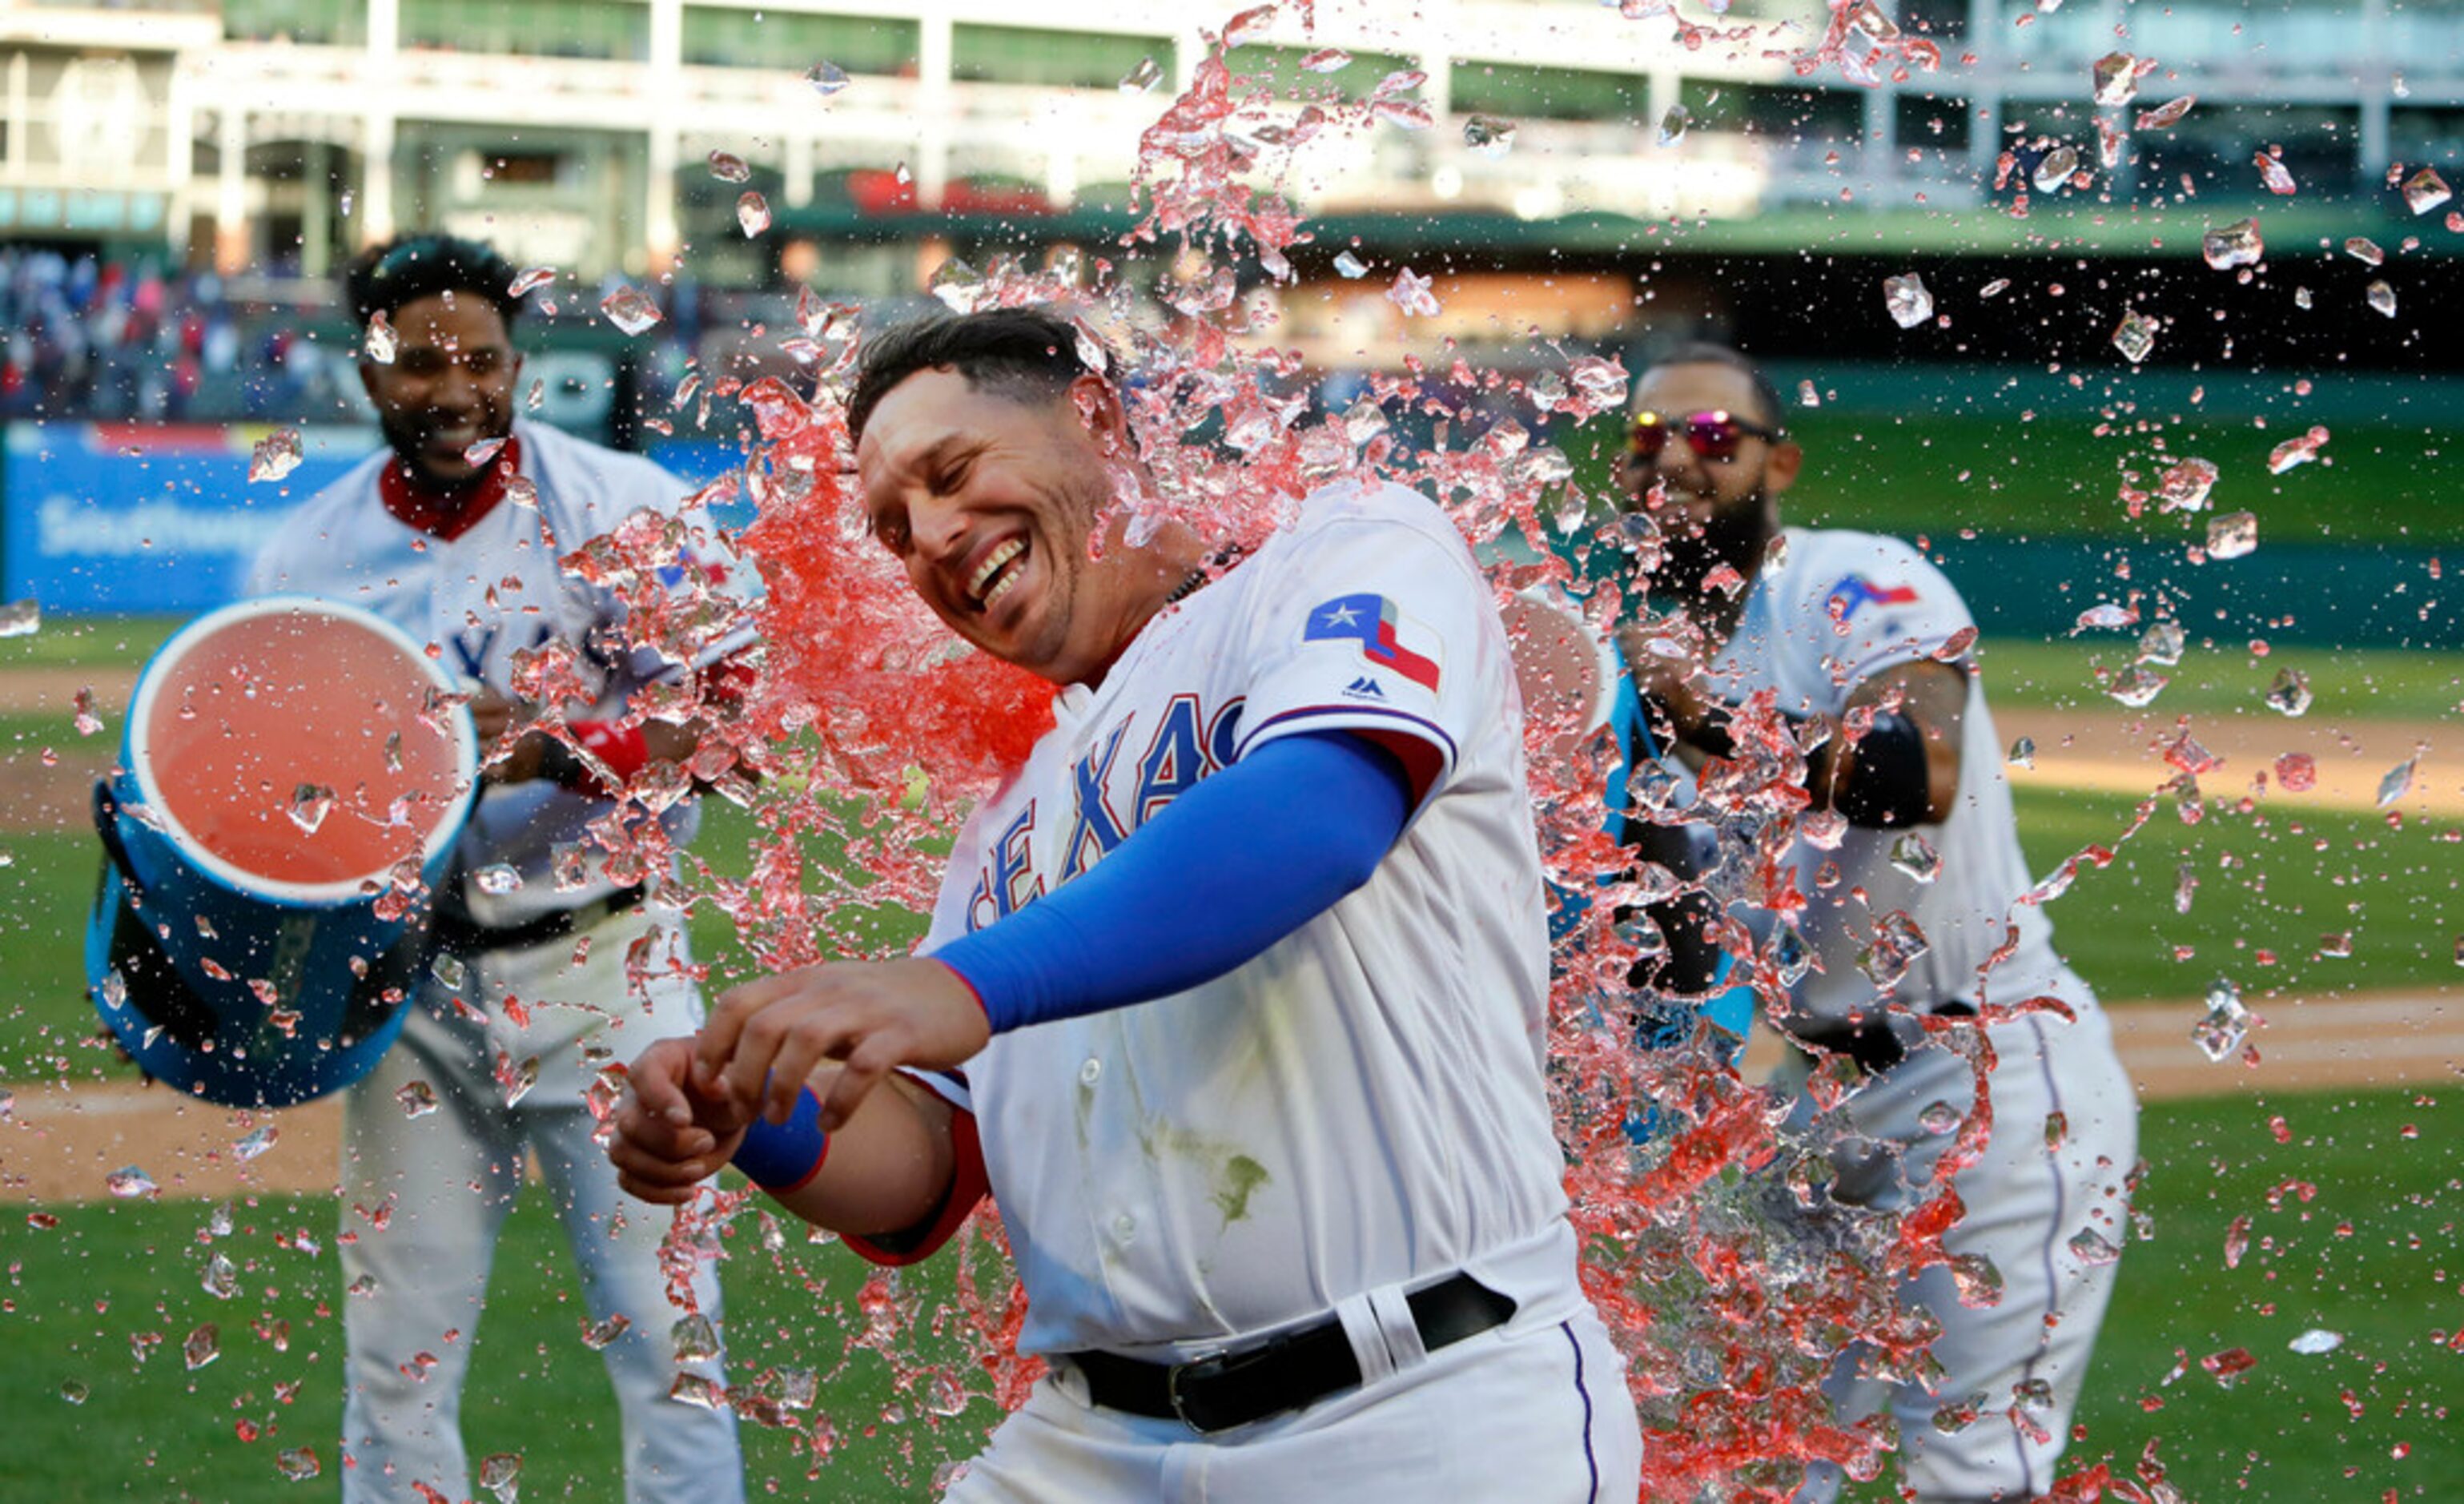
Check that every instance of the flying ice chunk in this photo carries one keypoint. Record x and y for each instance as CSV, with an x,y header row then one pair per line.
x,y
531,280
299,1463
2167,115
1940,1119
2135,336
256,1144
2294,451
1410,294
1351,266
1144,77
631,310
1487,136
752,214
2220,1032
1915,855
1674,125
2425,191
2398,780
501,1475
2023,753
827,78
2298,772
378,343
310,803
2381,297
2055,168
728,167
417,1099
2162,644
2317,1340
129,1183
21,618
1907,301
1327,59
276,455
1249,26
2233,535
2135,686
2272,172
2228,246
2117,76
2185,487
2290,694
2092,1248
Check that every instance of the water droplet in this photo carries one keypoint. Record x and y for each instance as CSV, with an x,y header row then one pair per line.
x,y
2135,336
1327,59
1402,114
517,1079
1907,301
631,310
2092,1247
944,1395
1940,1119
2162,644
418,1099
752,214
1249,26
531,280
2425,191
2381,297
2023,753
74,1390
86,721
596,1336
728,168
378,343
2117,77
2055,168
21,618
2220,1031
2185,887
299,1463
2398,780
1144,77
2233,535
1410,294
203,1346
497,879
2317,1340
276,455
1487,136
2167,115
2272,172
255,1144
1807,396
1674,123
827,78
2298,771
2294,451
2228,246
129,1183
1915,855
310,803
2057,1130
958,285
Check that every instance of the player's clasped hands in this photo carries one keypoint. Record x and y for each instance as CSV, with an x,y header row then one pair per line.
x,y
690,1100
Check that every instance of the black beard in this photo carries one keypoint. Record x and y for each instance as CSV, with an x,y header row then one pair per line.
x,y
1735,534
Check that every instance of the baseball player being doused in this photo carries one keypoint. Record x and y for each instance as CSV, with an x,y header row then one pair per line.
x,y
1909,893
454,533
1233,995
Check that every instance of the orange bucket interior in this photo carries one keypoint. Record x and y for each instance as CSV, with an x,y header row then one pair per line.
x,y
266,706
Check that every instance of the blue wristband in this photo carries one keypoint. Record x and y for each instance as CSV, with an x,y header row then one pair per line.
x,y
785,1157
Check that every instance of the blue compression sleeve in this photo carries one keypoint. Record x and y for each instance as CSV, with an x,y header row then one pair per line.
x,y
1218,875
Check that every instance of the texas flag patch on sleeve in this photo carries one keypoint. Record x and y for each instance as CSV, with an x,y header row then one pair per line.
x,y
1372,621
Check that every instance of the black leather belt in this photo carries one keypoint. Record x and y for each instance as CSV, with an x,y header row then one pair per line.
x,y
457,933
1290,1372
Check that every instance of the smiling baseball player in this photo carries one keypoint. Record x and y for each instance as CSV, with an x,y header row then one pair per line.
x,y
1912,904
1245,967
454,532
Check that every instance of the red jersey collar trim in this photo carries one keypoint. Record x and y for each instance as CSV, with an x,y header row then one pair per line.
x,y
446,516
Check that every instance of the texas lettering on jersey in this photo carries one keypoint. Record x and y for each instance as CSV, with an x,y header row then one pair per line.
x,y
1111,794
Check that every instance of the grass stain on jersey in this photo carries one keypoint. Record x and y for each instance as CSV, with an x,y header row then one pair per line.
x,y
1241,1174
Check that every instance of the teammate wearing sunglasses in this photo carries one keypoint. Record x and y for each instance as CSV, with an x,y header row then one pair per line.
x,y
1853,629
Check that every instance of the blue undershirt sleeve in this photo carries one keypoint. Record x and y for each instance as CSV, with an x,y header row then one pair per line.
x,y
1213,879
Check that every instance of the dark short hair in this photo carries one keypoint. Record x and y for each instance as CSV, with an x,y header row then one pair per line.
x,y
1023,354
404,270
1708,352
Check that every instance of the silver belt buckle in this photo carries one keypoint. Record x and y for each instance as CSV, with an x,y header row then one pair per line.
x,y
1204,1366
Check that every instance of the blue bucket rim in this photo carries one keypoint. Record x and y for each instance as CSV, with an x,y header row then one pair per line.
x,y
159,815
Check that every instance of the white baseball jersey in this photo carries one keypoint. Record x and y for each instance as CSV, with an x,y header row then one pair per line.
x,y
1841,608
494,592
1362,1105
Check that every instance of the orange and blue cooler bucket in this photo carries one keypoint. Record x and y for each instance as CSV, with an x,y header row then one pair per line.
x,y
292,781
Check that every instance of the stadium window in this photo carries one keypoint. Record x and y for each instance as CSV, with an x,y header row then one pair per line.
x,y
615,29
717,37
1779,113
1527,93
310,23
1928,123
1053,59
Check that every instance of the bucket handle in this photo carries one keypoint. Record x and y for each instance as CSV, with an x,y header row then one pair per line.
x,y
107,825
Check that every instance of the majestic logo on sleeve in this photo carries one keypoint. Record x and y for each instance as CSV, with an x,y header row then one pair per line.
x,y
1372,621
1854,593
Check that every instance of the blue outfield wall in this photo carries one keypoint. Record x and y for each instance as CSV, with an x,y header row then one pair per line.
x,y
115,519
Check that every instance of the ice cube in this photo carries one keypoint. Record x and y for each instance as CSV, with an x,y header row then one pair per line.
x,y
22,618
631,310
276,455
2228,246
2117,76
2381,297
1674,123
2219,1033
2233,535
378,343
752,214
827,78
1906,299
1487,136
728,168
2135,336
1144,77
2425,191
